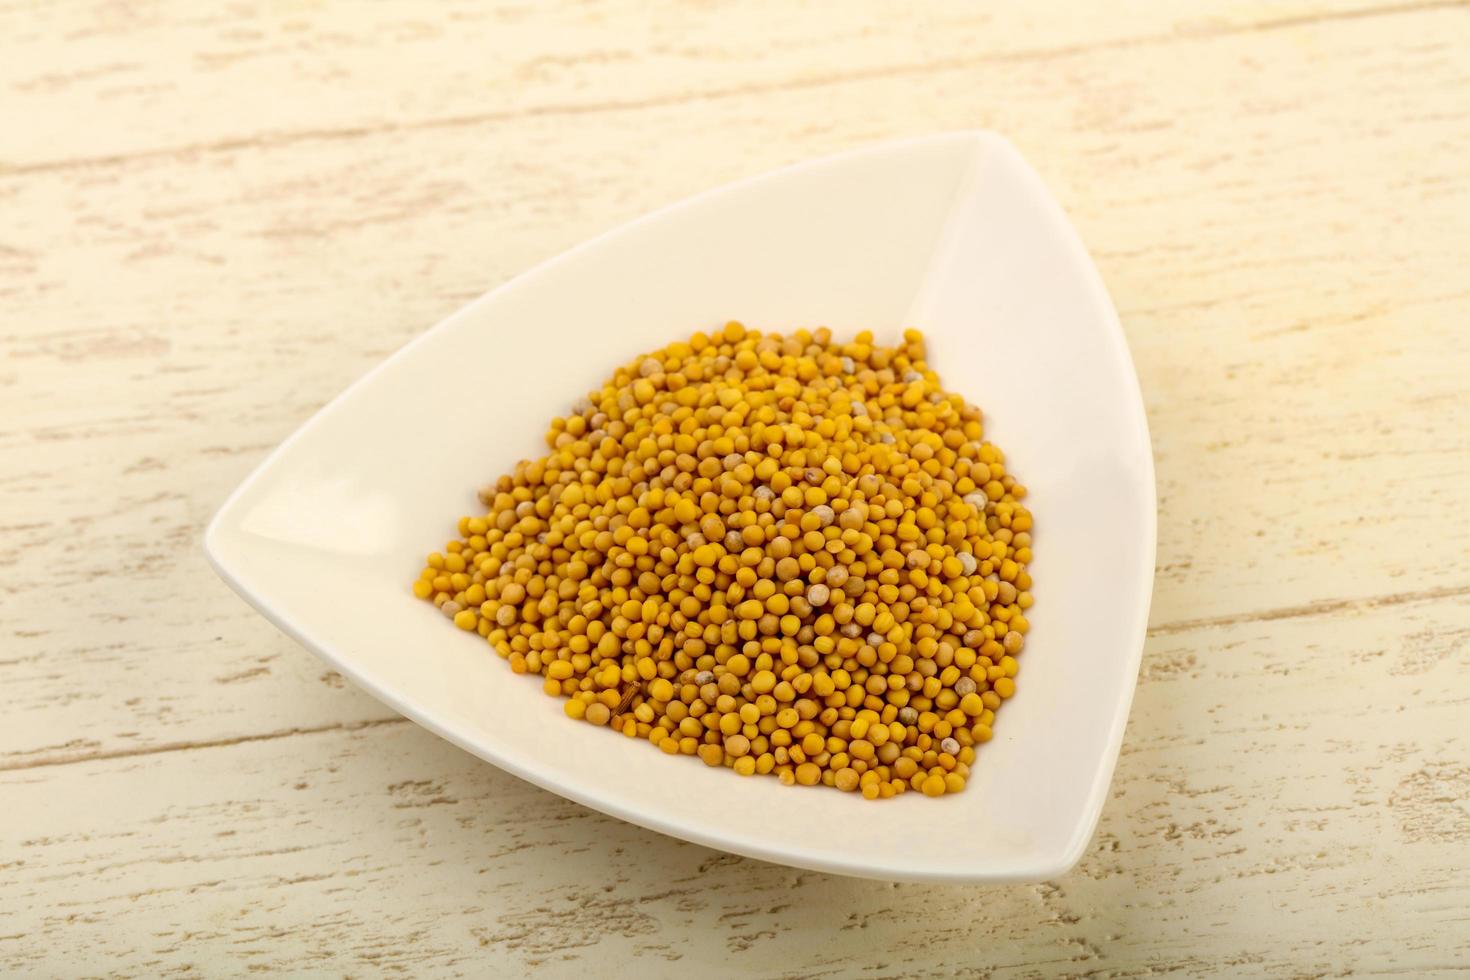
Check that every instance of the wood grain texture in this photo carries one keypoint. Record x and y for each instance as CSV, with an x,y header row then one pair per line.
x,y
401,67
1250,831
216,218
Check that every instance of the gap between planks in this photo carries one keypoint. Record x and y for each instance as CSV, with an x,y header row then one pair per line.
x,y
103,755
288,138
1321,608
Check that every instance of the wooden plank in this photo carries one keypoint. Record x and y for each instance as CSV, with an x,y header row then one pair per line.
x,y
1292,801
178,78
166,322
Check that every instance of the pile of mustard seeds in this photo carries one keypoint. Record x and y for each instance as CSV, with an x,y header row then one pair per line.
x,y
781,554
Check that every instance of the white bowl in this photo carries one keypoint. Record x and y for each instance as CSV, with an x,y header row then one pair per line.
x,y
953,234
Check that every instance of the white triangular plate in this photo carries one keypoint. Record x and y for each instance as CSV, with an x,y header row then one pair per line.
x,y
953,234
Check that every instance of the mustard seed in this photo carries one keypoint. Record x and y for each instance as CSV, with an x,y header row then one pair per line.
x,y
785,555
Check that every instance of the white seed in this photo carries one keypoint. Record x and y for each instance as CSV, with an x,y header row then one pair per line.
x,y
965,685
818,594
450,608
824,514
764,492
967,562
649,368
949,745
907,715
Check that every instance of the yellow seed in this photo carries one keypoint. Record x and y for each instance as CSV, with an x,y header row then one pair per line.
x,y
784,555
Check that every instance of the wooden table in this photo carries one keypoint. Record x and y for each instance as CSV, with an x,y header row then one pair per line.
x,y
213,218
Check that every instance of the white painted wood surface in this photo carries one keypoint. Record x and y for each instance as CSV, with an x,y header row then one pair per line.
x,y
214,218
